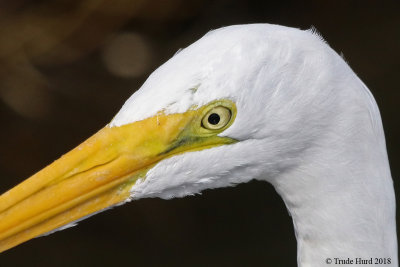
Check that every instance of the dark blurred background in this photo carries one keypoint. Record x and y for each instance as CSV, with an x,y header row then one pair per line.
x,y
67,66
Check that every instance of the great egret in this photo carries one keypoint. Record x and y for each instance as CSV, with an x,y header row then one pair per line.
x,y
244,102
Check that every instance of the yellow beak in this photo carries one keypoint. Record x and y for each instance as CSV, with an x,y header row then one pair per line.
x,y
97,174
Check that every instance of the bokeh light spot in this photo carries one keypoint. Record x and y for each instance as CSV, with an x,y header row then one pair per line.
x,y
127,55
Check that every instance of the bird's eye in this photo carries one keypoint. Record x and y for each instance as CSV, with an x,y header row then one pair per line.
x,y
216,118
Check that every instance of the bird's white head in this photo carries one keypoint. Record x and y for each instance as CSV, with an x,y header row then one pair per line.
x,y
244,102
280,86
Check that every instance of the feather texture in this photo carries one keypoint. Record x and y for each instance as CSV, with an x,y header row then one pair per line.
x,y
305,123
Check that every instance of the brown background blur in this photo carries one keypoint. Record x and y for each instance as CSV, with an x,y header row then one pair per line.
x,y
66,67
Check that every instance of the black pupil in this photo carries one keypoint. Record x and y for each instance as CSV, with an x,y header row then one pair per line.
x,y
214,119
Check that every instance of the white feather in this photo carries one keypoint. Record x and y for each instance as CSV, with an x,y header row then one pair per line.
x,y
305,123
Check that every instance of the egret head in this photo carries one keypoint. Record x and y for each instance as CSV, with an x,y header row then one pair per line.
x,y
244,102
276,85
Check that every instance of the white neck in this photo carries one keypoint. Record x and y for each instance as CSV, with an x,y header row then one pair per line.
x,y
354,220
341,197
